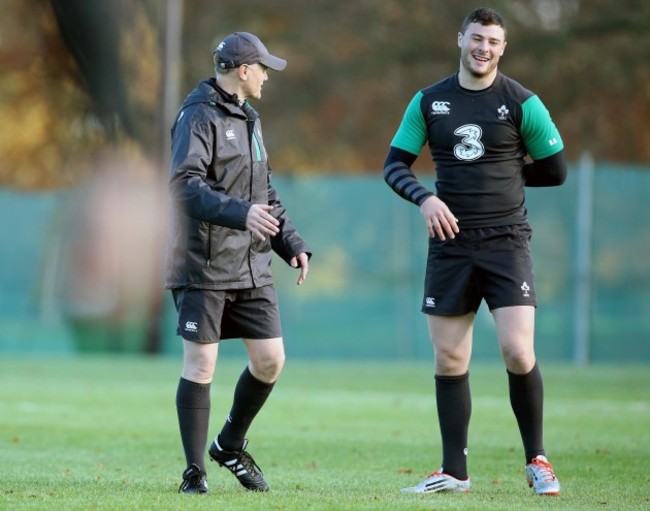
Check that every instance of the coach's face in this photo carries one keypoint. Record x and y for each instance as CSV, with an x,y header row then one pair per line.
x,y
481,47
252,78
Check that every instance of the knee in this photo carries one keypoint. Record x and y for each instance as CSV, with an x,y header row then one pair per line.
x,y
518,360
199,367
450,361
268,368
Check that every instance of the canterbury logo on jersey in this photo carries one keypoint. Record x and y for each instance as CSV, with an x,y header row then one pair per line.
x,y
440,108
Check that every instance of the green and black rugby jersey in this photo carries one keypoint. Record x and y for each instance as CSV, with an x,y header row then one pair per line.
x,y
478,141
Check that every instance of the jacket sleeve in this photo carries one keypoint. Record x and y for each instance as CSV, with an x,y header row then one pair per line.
x,y
287,243
191,155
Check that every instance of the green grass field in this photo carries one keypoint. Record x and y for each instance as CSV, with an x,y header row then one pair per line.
x,y
101,434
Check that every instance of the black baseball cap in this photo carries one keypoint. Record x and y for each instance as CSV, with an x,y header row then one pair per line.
x,y
245,48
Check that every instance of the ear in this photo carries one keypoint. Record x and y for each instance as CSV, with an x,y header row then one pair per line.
x,y
505,43
242,71
460,38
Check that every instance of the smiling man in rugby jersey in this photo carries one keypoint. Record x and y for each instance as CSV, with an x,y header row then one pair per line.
x,y
489,137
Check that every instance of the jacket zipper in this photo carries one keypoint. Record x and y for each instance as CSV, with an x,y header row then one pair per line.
x,y
258,150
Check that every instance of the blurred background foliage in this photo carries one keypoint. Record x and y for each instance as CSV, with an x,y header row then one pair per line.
x,y
88,93
85,78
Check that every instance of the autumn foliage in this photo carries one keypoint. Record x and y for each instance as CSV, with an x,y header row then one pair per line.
x,y
81,78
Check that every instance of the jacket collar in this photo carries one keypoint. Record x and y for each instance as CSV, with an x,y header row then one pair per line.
x,y
229,101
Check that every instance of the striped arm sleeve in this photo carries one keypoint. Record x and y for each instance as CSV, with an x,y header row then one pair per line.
x,y
399,176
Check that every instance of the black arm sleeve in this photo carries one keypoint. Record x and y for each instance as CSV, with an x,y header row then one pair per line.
x,y
399,176
549,171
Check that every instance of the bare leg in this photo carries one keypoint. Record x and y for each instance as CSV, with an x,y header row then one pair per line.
x,y
451,337
515,329
253,388
193,399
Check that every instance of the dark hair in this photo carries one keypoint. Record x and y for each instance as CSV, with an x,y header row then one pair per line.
x,y
484,16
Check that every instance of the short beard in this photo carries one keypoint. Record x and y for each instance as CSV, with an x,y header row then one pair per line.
x,y
467,64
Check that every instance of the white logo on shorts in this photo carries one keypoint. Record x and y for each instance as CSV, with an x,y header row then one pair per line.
x,y
191,326
525,288
430,302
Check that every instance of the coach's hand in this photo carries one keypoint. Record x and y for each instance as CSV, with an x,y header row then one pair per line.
x,y
439,218
260,221
301,261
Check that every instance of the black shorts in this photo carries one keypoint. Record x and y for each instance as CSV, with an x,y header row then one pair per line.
x,y
207,316
491,263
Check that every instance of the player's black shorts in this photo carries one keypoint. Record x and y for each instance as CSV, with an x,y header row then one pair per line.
x,y
207,316
491,263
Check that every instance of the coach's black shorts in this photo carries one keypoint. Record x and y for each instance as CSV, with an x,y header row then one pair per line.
x,y
491,263
207,316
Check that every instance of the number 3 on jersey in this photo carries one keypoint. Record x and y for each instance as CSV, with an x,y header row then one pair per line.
x,y
470,147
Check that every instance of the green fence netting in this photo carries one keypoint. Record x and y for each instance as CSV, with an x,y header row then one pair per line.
x,y
362,298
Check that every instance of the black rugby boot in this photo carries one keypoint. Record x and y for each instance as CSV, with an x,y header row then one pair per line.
x,y
241,464
194,481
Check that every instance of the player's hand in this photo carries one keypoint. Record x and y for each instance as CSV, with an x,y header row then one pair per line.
x,y
439,219
301,261
260,221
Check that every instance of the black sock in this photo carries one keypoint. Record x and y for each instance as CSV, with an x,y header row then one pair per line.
x,y
250,396
454,404
527,400
193,408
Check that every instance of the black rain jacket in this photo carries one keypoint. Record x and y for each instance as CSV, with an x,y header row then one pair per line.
x,y
219,168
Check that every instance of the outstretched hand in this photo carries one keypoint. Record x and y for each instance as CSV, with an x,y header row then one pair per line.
x,y
439,218
260,221
301,261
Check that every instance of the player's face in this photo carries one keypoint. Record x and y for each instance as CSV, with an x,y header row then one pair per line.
x,y
481,48
254,77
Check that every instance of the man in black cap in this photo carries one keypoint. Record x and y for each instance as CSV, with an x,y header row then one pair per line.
x,y
226,218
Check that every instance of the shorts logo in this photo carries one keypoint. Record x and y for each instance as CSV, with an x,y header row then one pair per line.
x,y
525,288
430,302
191,326
440,107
